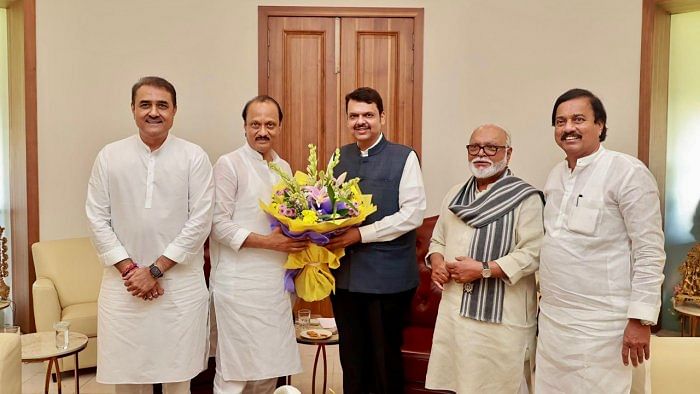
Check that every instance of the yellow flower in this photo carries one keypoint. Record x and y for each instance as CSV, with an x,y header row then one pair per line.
x,y
309,216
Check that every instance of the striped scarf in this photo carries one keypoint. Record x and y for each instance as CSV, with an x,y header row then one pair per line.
x,y
492,217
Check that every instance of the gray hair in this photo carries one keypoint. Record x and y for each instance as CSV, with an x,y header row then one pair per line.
x,y
495,126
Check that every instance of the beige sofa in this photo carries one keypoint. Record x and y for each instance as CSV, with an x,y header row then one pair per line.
x,y
10,363
68,277
674,365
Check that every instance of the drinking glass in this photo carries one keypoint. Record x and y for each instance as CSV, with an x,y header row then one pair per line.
x,y
8,329
304,318
62,329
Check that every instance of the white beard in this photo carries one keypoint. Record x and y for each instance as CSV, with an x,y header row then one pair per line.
x,y
489,171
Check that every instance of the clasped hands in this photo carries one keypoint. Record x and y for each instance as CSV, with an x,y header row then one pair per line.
x,y
463,270
139,282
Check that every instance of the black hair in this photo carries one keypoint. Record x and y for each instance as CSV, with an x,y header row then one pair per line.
x,y
156,82
365,95
261,99
597,105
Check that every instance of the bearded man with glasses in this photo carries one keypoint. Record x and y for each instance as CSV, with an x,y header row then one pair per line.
x,y
483,254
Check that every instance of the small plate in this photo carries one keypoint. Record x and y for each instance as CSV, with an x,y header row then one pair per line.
x,y
316,333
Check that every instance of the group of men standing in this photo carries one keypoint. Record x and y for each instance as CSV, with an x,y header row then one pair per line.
x,y
153,199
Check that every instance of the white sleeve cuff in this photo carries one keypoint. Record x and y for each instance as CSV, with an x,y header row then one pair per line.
x,y
176,254
510,268
642,311
239,238
114,256
368,234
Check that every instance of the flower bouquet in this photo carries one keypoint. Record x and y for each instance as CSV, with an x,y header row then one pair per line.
x,y
316,206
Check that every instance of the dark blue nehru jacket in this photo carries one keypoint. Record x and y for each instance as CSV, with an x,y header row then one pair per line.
x,y
378,267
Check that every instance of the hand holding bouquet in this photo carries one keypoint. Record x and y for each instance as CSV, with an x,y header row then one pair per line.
x,y
317,206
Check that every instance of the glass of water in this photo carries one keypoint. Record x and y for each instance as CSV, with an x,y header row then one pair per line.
x,y
304,318
62,329
9,329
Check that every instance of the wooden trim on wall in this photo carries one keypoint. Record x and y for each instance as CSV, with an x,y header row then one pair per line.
x,y
264,12
32,151
24,180
678,6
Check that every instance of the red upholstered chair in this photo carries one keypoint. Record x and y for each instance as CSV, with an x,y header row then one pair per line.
x,y
418,335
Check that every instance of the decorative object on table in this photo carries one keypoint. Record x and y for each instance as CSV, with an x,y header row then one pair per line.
x,y
4,273
316,206
688,290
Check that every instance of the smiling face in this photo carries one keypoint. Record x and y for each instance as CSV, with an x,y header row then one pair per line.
x,y
262,126
487,167
364,122
575,129
154,113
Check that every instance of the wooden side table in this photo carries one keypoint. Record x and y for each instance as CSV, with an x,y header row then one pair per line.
x,y
690,319
41,346
320,349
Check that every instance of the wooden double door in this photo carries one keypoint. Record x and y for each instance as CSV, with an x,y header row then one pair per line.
x,y
311,58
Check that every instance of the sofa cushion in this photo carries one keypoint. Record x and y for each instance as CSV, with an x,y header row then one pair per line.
x,y
82,318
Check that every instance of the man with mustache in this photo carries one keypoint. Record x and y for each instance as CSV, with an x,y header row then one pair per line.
x,y
378,275
602,258
483,254
256,342
149,205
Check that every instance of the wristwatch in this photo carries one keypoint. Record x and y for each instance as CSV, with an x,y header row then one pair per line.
x,y
646,322
155,271
486,271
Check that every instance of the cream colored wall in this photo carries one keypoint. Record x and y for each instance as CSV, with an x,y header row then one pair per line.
x,y
485,61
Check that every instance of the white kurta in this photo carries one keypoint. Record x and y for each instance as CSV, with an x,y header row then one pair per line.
x,y
141,205
470,356
601,263
256,337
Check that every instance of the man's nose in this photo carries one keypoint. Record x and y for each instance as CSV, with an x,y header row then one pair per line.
x,y
153,111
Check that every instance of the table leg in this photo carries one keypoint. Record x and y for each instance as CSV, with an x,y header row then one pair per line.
x,y
48,376
313,374
325,366
58,375
75,373
682,325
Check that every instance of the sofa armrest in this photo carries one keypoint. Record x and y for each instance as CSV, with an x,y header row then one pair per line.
x,y
47,309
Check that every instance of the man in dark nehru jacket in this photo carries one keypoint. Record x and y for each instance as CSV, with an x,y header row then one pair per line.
x,y
378,275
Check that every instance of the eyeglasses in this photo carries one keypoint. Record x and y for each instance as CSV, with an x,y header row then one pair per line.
x,y
489,150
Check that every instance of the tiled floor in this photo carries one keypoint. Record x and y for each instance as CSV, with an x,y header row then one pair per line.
x,y
33,376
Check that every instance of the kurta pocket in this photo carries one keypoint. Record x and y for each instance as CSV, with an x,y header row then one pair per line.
x,y
583,220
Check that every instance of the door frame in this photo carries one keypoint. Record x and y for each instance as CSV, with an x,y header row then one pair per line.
x,y
417,14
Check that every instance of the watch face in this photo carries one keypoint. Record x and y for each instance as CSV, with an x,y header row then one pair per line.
x,y
155,271
486,273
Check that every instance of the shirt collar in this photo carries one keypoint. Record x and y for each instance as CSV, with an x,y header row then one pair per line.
x,y
148,148
586,160
255,155
365,153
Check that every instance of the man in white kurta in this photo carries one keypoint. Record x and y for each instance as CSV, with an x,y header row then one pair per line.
x,y
473,353
256,340
149,205
602,258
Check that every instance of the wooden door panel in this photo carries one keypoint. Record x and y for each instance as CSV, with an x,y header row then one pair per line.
x,y
302,78
378,52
